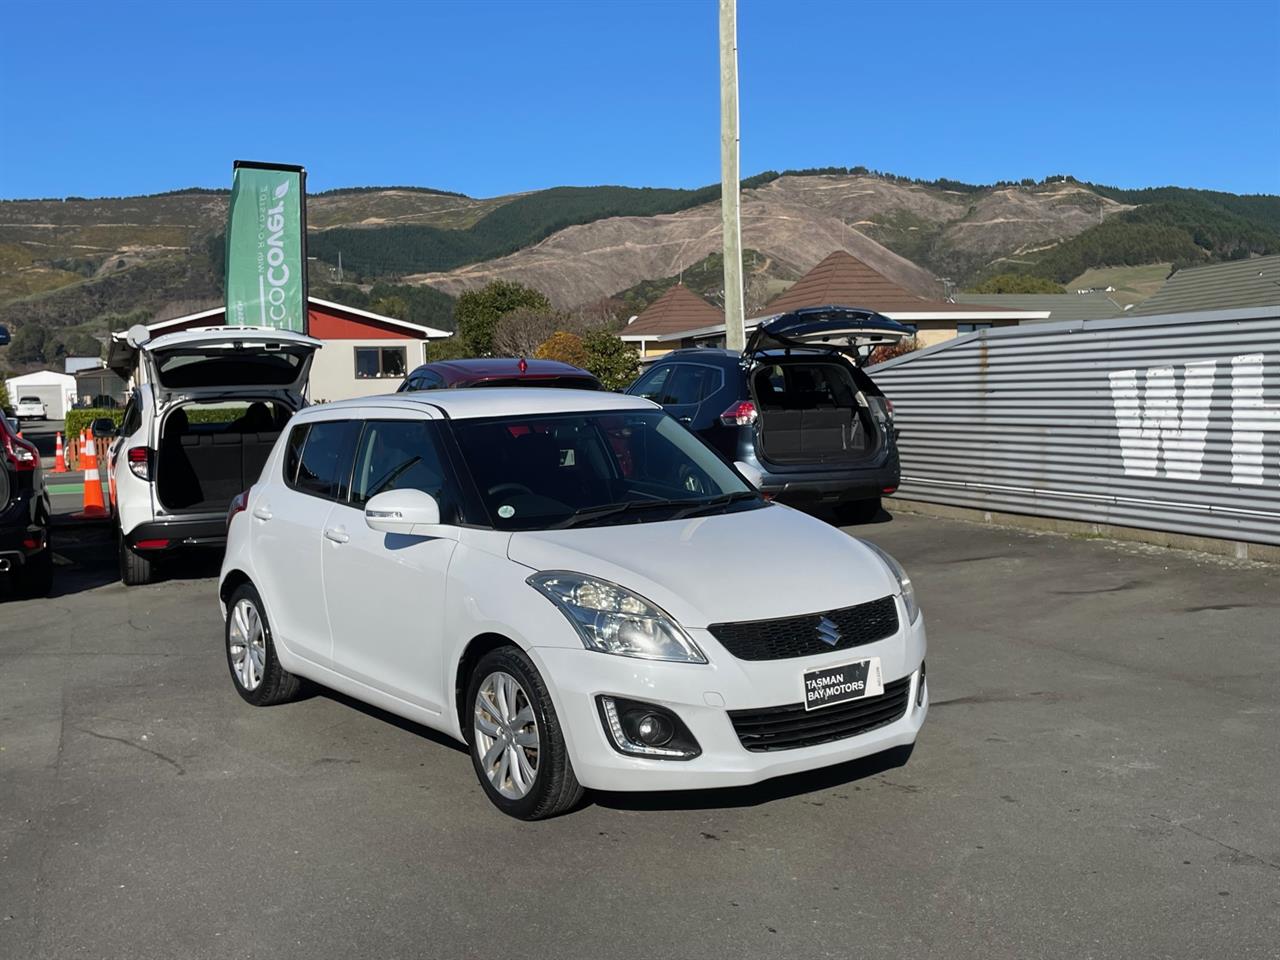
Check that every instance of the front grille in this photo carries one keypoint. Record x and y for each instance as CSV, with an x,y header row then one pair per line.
x,y
792,727
810,634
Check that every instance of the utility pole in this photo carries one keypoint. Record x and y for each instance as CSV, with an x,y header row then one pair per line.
x,y
730,179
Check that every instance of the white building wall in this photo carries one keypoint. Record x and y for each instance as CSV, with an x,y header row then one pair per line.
x,y
333,371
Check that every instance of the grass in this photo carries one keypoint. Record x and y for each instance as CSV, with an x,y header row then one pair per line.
x,y
1133,284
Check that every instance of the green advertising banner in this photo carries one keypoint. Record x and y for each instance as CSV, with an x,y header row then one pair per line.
x,y
266,280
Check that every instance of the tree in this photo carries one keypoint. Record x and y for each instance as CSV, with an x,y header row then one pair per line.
x,y
6,405
520,332
477,312
447,348
881,354
614,361
28,344
566,347
1017,283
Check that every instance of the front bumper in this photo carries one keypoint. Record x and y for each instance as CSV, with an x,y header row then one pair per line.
x,y
702,696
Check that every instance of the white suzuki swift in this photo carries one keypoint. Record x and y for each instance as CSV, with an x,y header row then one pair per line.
x,y
574,585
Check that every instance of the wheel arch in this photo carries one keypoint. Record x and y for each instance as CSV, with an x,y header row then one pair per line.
x,y
233,581
475,649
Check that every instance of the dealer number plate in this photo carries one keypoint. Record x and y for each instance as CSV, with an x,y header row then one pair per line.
x,y
851,681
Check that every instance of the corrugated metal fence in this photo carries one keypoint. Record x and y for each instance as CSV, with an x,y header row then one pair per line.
x,y
1165,423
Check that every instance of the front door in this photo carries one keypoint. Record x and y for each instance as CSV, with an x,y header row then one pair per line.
x,y
385,592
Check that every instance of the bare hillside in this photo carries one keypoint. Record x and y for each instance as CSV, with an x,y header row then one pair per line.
x,y
594,260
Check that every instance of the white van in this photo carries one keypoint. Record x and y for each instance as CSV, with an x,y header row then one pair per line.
x,y
205,413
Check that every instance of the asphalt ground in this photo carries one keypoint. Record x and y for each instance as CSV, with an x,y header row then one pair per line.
x,y
1099,776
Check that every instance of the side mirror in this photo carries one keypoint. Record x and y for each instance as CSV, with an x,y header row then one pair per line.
x,y
403,511
103,427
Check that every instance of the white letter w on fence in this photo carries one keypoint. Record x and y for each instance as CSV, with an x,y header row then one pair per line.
x,y
1160,425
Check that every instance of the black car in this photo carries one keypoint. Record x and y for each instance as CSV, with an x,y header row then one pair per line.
x,y
26,559
794,411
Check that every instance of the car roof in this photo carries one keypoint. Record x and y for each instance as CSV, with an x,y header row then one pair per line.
x,y
493,402
503,367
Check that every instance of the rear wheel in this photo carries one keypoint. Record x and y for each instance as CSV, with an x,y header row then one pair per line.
x,y
251,653
858,511
135,569
517,747
35,577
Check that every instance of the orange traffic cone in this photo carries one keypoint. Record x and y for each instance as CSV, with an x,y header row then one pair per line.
x,y
60,458
93,503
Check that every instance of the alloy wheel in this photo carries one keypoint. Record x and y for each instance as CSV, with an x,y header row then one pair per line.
x,y
247,645
507,739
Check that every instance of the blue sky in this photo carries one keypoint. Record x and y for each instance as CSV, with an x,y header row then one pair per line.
x,y
489,98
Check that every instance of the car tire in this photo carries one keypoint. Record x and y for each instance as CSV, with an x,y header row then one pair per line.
x,y
858,511
554,788
251,653
135,569
35,577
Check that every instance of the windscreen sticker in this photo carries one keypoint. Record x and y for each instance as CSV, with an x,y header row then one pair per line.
x,y
506,511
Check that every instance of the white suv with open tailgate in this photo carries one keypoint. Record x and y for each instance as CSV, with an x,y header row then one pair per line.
x,y
206,410
573,584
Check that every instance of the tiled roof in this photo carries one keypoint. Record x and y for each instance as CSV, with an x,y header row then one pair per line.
x,y
1217,286
843,280
1095,305
676,310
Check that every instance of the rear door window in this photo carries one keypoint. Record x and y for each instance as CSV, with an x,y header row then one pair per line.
x,y
652,384
402,455
324,468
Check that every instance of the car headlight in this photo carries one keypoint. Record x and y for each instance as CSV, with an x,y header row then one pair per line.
x,y
904,582
612,619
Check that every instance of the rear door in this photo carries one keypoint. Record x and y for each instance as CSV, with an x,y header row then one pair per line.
x,y
289,520
847,330
385,592
227,361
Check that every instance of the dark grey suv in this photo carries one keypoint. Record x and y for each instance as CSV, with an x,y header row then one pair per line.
x,y
794,411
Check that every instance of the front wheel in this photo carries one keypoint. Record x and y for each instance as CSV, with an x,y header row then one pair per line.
x,y
517,747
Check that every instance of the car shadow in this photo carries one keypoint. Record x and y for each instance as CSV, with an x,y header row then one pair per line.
x,y
779,788
827,514
377,713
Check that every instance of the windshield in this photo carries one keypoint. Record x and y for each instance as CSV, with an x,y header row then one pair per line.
x,y
596,468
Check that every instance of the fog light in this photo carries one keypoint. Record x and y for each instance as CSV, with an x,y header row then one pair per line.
x,y
653,730
646,730
920,687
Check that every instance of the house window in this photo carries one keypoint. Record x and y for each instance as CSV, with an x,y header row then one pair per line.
x,y
970,327
375,363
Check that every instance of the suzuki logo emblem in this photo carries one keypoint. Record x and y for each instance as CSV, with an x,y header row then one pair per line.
x,y
828,632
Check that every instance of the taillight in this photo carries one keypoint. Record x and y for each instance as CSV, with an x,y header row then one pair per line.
x,y
239,503
741,414
22,454
140,462
888,405
151,544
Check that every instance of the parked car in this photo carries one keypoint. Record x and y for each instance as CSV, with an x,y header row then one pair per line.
x,y
573,585
30,408
794,410
207,409
498,372
26,558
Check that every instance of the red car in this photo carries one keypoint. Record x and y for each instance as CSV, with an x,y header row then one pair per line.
x,y
498,372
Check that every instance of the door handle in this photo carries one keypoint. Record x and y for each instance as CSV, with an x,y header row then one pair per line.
x,y
262,513
336,534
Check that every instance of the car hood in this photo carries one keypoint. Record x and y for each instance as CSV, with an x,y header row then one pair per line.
x,y
751,565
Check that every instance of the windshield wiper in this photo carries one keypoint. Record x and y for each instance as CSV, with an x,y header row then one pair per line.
x,y
603,510
683,508
699,506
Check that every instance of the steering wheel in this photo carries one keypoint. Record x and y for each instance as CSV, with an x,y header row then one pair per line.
x,y
500,488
